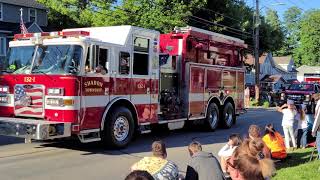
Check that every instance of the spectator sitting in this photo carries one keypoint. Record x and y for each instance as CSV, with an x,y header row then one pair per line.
x,y
139,175
157,165
275,143
254,133
249,163
203,165
227,150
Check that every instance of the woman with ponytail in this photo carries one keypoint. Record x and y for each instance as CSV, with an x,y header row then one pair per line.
x,y
249,162
275,143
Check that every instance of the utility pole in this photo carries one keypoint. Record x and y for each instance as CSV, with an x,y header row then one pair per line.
x,y
256,50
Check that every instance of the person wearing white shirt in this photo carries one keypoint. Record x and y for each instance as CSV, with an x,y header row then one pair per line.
x,y
227,150
315,128
302,126
289,112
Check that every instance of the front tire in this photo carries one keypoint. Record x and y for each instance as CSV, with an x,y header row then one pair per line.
x,y
118,128
228,115
212,118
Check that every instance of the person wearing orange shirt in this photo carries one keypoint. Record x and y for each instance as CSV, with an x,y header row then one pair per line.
x,y
275,143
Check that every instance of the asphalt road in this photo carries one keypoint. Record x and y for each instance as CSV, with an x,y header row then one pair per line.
x,y
71,160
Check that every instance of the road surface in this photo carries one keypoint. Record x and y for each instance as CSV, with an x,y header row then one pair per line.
x,y
72,160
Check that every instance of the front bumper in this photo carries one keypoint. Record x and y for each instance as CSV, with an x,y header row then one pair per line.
x,y
34,129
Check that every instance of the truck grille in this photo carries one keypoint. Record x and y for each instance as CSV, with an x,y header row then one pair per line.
x,y
296,97
28,100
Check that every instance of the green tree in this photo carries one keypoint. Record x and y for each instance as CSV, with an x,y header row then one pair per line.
x,y
274,33
308,50
292,18
162,15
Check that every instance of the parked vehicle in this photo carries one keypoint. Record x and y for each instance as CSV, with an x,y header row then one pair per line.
x,y
303,93
106,83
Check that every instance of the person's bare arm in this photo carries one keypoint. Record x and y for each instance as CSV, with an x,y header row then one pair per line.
x,y
279,109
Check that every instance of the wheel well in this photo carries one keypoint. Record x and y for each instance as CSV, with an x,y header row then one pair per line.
x,y
216,101
229,99
123,103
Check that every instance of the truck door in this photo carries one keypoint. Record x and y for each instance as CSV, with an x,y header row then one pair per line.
x,y
196,92
229,84
141,78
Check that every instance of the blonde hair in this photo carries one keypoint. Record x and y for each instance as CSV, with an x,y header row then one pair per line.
x,y
251,162
195,146
302,113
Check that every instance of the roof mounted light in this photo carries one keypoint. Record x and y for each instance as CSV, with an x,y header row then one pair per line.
x,y
51,34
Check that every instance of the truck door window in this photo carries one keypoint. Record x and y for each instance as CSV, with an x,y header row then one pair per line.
x,y
124,63
141,56
101,64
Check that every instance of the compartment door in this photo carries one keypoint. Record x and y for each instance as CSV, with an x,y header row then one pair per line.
x,y
196,92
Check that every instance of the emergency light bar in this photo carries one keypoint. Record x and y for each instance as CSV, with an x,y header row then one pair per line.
x,y
52,34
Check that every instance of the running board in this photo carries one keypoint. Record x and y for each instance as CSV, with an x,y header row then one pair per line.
x,y
89,135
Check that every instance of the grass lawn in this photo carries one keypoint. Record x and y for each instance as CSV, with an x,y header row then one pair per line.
x,y
298,166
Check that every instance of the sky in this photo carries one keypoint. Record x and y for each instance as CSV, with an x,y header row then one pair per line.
x,y
282,5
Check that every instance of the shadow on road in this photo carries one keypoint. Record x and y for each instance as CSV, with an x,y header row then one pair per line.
x,y
173,139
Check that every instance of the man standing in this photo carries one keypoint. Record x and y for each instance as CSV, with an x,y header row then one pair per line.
x,y
203,165
315,128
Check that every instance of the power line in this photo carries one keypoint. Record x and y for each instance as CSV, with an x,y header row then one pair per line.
x,y
209,24
221,25
221,14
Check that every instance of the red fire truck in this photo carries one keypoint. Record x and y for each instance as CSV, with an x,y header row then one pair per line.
x,y
106,83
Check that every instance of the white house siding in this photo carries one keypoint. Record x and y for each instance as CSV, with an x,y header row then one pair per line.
x,y
268,68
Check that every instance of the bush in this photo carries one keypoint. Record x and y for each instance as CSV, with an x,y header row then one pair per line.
x,y
266,104
254,102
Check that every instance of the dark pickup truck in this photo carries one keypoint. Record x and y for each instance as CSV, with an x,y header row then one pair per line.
x,y
303,93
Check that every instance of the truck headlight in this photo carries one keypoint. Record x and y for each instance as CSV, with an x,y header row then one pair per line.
x,y
59,102
55,102
4,99
4,89
283,96
56,91
307,97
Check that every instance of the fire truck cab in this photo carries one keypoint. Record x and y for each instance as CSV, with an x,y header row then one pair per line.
x,y
106,83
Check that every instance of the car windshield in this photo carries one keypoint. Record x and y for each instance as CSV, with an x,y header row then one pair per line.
x,y
301,87
48,59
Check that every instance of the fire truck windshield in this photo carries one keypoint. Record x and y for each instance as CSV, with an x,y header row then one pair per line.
x,y
48,59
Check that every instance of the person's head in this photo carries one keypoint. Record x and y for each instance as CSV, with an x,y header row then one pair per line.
x,y
235,140
254,131
302,111
194,147
269,129
139,175
249,162
290,104
159,149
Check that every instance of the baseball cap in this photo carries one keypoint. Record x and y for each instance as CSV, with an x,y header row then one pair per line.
x,y
290,102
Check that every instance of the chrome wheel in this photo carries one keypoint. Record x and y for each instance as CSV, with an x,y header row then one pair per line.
x,y
121,128
229,117
213,118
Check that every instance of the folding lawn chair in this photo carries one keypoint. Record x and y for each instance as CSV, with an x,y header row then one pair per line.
x,y
314,148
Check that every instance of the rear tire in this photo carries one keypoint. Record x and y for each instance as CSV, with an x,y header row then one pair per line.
x,y
212,118
118,128
228,117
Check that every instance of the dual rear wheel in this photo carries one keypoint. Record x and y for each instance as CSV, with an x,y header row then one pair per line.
x,y
224,117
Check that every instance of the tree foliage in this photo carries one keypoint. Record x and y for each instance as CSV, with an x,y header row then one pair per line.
x,y
308,50
162,15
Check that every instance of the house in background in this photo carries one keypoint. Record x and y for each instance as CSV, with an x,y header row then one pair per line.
x,y
250,71
283,66
34,17
307,72
273,83
269,66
